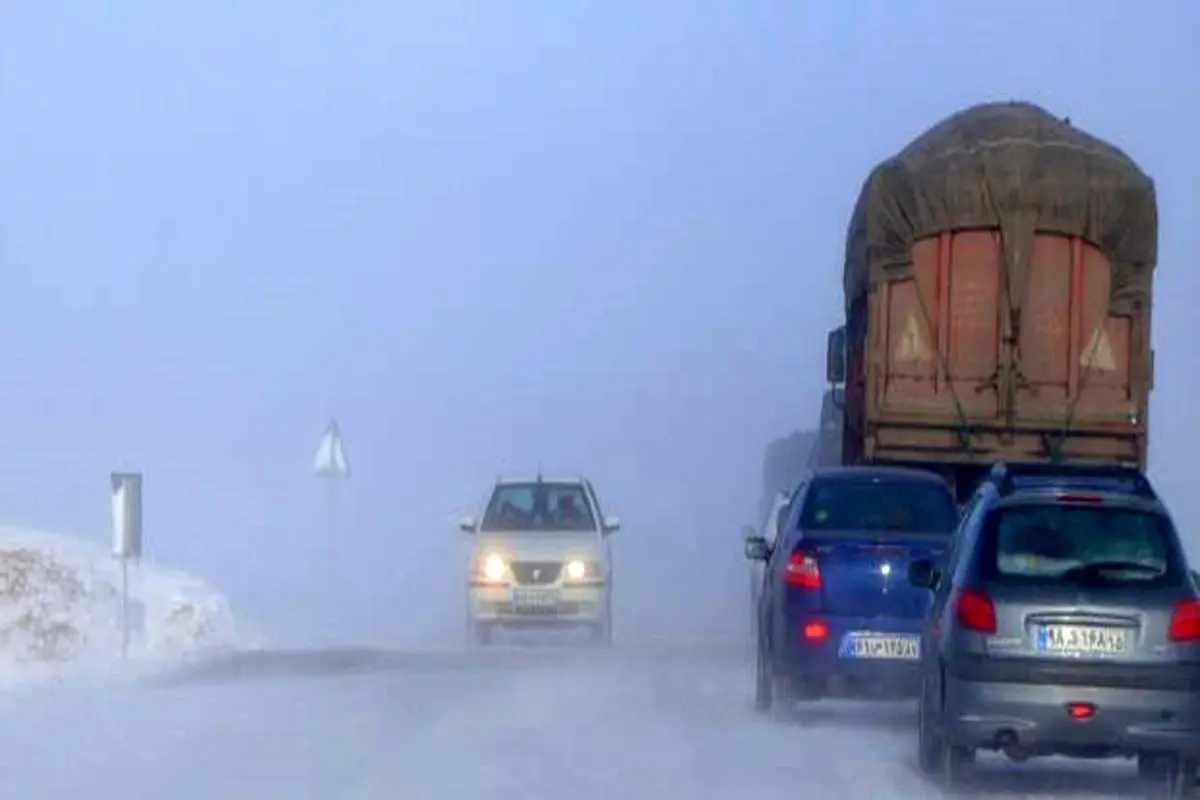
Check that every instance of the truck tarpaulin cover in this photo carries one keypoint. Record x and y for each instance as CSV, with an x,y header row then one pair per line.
x,y
1016,167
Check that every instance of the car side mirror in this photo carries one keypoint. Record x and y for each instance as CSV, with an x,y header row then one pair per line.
x,y
835,356
923,574
611,525
748,532
756,548
467,524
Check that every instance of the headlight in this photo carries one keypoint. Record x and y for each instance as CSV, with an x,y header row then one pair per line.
x,y
578,570
494,567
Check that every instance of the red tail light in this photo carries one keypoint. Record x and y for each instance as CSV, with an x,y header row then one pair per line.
x,y
1185,621
816,631
1076,499
975,611
1081,710
802,571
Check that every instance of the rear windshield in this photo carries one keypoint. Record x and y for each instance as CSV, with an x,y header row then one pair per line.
x,y
1056,543
879,504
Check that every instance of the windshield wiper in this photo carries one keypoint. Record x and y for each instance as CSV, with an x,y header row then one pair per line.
x,y
1097,569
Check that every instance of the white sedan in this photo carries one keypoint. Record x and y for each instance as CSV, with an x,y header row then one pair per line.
x,y
541,558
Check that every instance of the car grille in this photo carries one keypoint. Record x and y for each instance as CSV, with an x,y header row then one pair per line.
x,y
536,572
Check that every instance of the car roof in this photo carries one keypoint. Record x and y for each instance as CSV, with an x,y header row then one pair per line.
x,y
1103,498
1105,485
892,473
507,480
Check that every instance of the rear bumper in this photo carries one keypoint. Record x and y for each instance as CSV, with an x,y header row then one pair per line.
x,y
1126,720
815,667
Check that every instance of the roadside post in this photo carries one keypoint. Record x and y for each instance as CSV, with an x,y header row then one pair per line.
x,y
127,537
332,467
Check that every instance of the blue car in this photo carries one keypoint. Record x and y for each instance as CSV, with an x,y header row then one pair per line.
x,y
837,616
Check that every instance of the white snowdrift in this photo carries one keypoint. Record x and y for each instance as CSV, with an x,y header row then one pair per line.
x,y
60,607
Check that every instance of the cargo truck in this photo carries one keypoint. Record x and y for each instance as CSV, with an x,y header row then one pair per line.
x,y
998,287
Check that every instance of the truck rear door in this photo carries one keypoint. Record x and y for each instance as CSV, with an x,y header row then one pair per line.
x,y
937,339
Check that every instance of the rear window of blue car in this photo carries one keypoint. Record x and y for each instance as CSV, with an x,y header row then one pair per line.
x,y
1048,542
879,504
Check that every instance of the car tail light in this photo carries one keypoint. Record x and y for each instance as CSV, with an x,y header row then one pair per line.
x,y
976,612
802,571
1081,710
1185,621
1075,499
816,631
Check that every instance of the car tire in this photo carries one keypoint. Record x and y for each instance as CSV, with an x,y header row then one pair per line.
x,y
481,634
601,633
1170,777
764,695
783,709
929,749
954,762
772,695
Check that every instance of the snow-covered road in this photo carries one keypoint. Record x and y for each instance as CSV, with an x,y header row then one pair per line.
x,y
542,723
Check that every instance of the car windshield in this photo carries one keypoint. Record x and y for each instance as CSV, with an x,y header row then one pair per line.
x,y
538,506
879,504
1057,542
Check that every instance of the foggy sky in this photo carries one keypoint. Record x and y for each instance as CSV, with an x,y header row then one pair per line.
x,y
602,237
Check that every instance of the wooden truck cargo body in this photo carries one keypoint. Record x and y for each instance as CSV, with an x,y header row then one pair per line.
x,y
939,376
1016,340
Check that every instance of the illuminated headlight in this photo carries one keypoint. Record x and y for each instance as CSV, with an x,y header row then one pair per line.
x,y
494,567
583,570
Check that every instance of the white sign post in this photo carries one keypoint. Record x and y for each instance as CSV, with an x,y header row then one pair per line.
x,y
331,465
127,537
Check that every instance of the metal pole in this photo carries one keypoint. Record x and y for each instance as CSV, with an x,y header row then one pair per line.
x,y
332,531
124,608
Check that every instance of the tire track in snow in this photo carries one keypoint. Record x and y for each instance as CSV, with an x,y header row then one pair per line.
x,y
497,725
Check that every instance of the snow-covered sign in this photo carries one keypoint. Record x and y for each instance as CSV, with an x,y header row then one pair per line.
x,y
330,461
127,514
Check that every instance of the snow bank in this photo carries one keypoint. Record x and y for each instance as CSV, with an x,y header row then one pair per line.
x,y
60,608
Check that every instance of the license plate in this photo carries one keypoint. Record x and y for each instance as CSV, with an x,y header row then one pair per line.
x,y
535,598
1085,640
882,646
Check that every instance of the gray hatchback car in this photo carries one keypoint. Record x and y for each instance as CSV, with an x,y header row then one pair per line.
x,y
1065,621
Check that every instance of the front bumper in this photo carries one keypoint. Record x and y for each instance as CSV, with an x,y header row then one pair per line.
x,y
575,605
1036,718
